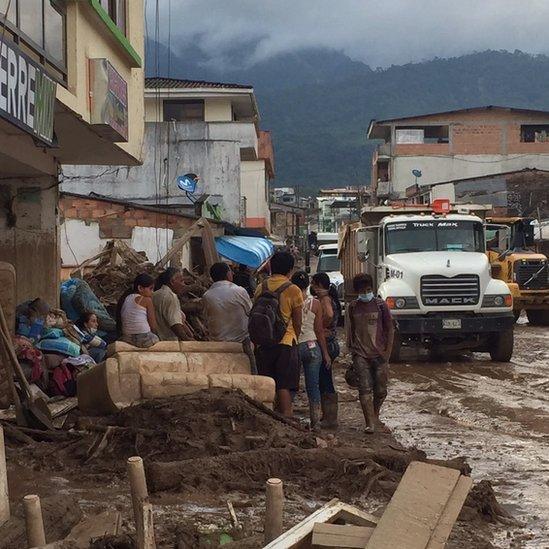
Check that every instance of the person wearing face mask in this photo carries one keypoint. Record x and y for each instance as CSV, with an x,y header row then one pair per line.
x,y
369,333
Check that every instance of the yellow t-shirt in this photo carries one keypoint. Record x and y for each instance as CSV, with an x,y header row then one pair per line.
x,y
291,298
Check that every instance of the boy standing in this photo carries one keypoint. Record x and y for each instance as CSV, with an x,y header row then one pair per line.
x,y
370,332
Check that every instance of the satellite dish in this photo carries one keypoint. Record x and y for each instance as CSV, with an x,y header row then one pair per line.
x,y
416,173
187,183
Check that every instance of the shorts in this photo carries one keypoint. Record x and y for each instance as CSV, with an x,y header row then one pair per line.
x,y
372,376
281,362
143,341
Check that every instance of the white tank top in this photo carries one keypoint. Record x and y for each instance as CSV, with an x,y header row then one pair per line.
x,y
308,322
134,317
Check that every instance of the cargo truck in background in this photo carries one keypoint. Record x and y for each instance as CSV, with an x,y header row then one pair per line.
x,y
514,258
431,268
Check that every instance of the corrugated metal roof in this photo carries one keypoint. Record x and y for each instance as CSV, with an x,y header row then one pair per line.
x,y
172,83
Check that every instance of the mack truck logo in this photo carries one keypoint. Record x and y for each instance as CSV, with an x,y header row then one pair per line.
x,y
450,300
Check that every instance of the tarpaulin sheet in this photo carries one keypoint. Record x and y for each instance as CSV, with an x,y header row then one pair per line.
x,y
247,250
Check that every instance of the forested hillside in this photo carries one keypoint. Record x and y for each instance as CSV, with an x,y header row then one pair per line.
x,y
318,103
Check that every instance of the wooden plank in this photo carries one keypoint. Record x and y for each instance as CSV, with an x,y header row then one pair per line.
x,y
106,523
415,508
450,513
340,535
333,510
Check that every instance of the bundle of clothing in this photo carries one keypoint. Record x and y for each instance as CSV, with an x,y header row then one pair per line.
x,y
53,350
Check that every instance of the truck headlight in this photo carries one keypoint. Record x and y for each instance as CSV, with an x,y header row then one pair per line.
x,y
408,302
505,300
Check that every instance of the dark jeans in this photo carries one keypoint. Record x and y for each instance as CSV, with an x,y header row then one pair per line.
x,y
326,379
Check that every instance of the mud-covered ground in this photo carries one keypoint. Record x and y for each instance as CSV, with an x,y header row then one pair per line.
x,y
494,414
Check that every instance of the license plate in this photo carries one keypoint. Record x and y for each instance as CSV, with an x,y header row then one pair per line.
x,y
451,323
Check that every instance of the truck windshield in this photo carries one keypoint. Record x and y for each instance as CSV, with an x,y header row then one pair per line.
x,y
328,264
430,236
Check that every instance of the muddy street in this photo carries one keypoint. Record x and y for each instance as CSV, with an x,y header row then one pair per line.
x,y
496,415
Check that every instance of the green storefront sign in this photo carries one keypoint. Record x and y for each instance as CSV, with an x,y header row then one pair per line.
x,y
27,93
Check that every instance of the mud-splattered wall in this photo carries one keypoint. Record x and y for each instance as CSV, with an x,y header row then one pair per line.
x,y
28,236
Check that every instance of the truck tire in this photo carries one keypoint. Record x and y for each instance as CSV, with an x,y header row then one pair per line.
x,y
395,351
516,314
538,317
501,346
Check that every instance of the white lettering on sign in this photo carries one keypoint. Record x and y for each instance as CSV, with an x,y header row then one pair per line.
x,y
27,93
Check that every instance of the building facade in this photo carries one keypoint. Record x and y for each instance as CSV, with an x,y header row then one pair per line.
x,y
71,92
206,129
454,145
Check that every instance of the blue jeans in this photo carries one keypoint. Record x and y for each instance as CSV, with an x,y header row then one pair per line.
x,y
311,358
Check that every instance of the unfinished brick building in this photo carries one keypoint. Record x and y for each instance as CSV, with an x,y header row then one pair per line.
x,y
459,144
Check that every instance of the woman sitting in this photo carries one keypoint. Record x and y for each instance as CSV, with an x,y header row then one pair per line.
x,y
135,316
95,346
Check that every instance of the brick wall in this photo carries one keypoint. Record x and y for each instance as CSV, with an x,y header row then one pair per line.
x,y
118,220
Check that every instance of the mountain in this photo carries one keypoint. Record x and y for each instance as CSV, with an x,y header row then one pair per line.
x,y
318,103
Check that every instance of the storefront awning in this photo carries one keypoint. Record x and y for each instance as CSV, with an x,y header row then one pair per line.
x,y
247,250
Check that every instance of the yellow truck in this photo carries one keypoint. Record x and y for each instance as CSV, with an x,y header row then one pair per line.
x,y
514,258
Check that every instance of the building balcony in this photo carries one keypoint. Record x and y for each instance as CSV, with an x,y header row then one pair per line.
x,y
384,150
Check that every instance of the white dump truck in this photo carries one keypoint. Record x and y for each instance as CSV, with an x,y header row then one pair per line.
x,y
432,270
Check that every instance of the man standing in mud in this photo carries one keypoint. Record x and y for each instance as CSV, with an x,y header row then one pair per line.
x,y
370,332
281,360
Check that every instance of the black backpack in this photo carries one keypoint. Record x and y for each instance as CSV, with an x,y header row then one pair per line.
x,y
266,325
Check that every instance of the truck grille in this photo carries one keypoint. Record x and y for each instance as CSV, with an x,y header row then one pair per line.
x,y
525,270
438,290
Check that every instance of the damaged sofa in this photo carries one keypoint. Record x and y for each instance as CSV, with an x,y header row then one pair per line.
x,y
168,368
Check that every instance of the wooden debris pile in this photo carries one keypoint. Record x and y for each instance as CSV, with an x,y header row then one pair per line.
x,y
111,272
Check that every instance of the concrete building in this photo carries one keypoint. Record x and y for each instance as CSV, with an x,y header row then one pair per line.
x,y
71,92
208,129
454,145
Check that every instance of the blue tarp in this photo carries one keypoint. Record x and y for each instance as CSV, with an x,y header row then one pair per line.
x,y
248,250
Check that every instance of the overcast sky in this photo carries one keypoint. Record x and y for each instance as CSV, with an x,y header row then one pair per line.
x,y
379,32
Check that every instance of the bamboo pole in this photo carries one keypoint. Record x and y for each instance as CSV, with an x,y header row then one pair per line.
x,y
33,521
142,509
4,495
274,509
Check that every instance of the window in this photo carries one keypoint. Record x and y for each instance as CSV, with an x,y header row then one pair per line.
x,y
30,20
429,236
534,133
117,12
12,13
382,171
422,134
39,25
184,110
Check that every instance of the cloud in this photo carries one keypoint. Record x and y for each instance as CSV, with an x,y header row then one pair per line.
x,y
379,32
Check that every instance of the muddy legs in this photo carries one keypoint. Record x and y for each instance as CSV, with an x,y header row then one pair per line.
x,y
367,403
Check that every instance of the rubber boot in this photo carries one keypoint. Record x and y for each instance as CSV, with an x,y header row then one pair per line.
x,y
329,420
323,406
314,413
367,403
